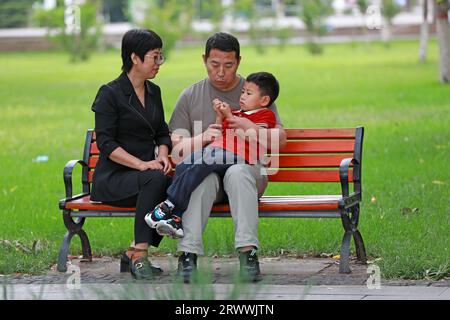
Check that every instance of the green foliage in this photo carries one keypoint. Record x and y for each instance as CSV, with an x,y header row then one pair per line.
x,y
313,14
15,13
257,32
362,5
170,19
78,42
389,9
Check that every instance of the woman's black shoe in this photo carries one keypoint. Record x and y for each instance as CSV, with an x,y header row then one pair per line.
x,y
125,265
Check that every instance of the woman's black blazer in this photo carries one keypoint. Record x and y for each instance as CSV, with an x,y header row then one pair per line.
x,y
121,121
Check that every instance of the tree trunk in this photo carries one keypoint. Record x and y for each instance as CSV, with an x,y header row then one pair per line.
x,y
386,33
424,33
443,35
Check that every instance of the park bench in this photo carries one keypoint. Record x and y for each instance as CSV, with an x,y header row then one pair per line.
x,y
310,155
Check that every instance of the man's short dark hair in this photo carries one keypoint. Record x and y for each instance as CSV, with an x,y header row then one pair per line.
x,y
139,41
267,84
224,42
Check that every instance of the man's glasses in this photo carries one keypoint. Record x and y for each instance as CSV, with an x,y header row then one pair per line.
x,y
159,58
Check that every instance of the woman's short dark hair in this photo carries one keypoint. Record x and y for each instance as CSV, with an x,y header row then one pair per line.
x,y
223,42
267,84
139,41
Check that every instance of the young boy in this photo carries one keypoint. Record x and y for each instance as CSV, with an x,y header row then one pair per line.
x,y
260,91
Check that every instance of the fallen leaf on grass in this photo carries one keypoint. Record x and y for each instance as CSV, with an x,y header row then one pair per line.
x,y
410,210
336,257
438,182
326,255
373,200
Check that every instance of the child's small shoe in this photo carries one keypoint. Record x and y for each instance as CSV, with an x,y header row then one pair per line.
x,y
171,227
161,212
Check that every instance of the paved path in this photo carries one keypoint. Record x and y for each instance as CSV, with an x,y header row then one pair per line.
x,y
284,279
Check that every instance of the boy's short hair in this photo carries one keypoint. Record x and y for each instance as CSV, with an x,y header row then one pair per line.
x,y
224,42
267,83
139,41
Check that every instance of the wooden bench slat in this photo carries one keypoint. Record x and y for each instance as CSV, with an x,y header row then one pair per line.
x,y
293,176
318,146
313,133
307,161
94,149
295,147
306,176
285,161
345,133
266,203
92,162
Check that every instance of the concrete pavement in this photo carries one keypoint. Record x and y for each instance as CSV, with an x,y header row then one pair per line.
x,y
284,279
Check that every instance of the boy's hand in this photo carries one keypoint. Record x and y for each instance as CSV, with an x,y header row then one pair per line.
x,y
217,104
225,110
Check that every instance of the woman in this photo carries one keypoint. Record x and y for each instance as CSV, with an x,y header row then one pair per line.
x,y
129,123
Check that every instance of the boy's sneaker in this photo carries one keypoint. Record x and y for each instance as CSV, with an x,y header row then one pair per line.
x,y
161,212
249,266
171,227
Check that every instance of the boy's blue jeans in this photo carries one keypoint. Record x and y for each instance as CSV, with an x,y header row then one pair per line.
x,y
194,169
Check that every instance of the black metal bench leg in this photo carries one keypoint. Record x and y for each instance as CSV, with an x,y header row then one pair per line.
x,y
344,263
73,228
360,248
63,252
85,245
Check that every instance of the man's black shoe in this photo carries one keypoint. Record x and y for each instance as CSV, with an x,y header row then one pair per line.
x,y
187,266
249,266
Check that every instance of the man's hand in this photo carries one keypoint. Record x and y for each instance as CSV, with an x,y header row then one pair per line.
x,y
213,132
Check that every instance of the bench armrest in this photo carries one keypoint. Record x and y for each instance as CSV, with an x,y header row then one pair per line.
x,y
67,174
348,199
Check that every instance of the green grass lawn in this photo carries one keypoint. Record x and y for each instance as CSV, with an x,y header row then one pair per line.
x,y
45,110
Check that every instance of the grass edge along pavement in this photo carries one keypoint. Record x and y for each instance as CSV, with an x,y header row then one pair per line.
x,y
405,112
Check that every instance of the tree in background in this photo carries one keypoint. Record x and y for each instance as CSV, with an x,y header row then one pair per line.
x,y
362,7
424,33
313,14
171,19
75,28
257,32
283,34
214,11
443,34
389,9
15,13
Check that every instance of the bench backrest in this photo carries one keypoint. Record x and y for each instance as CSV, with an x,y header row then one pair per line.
x,y
310,155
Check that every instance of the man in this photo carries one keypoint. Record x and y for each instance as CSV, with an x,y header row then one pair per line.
x,y
193,127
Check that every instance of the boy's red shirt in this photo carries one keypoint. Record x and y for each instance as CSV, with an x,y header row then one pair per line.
x,y
231,142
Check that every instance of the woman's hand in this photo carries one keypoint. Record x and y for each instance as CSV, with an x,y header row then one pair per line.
x,y
153,165
165,163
